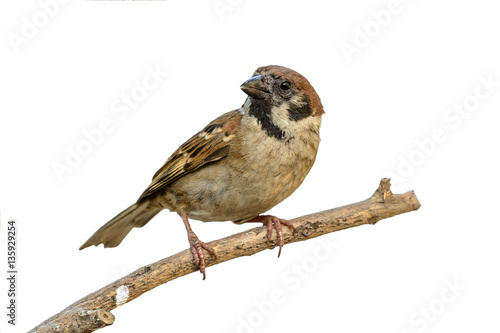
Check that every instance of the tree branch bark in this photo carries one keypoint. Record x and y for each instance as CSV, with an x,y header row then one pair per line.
x,y
92,312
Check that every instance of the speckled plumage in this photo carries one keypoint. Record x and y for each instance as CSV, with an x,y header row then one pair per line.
x,y
239,166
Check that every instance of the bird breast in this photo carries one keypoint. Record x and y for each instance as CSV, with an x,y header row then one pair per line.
x,y
259,172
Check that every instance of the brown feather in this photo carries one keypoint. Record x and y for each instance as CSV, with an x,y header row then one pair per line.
x,y
209,145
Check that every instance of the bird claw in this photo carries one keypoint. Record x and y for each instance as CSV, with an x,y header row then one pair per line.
x,y
197,248
272,222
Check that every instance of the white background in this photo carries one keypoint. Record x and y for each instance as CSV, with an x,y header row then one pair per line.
x,y
397,90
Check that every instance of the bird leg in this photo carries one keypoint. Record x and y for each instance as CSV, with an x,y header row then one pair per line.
x,y
272,222
197,247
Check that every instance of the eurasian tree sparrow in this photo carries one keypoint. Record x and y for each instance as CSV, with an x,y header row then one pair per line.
x,y
239,166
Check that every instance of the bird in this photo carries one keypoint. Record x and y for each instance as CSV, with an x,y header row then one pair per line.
x,y
238,167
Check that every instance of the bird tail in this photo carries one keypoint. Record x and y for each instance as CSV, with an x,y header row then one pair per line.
x,y
112,233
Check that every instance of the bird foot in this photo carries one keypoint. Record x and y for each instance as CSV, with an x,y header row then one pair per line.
x,y
272,222
197,248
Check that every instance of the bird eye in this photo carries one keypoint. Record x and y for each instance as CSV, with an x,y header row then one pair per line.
x,y
285,85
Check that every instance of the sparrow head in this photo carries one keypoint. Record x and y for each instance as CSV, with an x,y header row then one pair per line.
x,y
277,84
280,97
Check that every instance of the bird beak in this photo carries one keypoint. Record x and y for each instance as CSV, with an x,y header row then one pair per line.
x,y
255,87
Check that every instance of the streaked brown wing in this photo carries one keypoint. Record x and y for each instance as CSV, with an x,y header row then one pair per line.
x,y
209,145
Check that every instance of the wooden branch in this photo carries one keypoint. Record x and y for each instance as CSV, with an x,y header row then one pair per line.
x,y
92,312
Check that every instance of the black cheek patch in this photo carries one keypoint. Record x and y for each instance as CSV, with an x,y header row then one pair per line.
x,y
262,111
296,113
